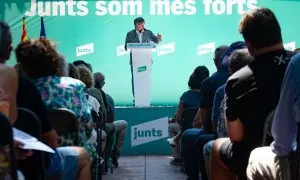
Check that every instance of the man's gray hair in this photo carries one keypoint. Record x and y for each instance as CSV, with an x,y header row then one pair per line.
x,y
238,59
5,38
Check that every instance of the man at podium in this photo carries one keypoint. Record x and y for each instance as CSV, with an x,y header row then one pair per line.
x,y
139,35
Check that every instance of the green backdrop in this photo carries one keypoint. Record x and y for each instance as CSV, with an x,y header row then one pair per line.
x,y
170,71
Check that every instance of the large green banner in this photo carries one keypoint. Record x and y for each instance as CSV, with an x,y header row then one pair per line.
x,y
95,31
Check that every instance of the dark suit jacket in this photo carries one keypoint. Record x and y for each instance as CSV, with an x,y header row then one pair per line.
x,y
132,37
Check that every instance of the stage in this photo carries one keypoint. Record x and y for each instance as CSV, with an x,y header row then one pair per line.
x,y
147,129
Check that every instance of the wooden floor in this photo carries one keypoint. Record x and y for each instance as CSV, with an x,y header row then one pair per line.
x,y
145,168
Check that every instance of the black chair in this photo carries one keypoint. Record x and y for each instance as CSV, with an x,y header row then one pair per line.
x,y
64,121
33,167
7,157
97,165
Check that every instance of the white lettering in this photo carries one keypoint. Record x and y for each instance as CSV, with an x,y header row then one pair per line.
x,y
190,7
219,7
71,4
252,4
100,5
114,8
44,11
58,5
207,4
83,10
32,11
132,6
177,7
159,5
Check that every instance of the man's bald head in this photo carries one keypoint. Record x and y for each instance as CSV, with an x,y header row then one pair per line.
x,y
99,80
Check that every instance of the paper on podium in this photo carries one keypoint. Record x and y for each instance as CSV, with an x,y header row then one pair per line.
x,y
30,142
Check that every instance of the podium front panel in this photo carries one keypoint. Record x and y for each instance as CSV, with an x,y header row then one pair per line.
x,y
141,63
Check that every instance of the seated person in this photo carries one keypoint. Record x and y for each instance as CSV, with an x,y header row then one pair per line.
x,y
195,138
271,162
109,128
74,73
87,78
189,100
74,160
236,61
40,62
250,94
68,162
120,125
93,91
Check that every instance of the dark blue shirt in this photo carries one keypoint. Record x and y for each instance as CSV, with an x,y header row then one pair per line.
x,y
110,108
190,99
220,93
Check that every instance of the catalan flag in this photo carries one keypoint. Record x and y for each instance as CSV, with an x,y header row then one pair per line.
x,y
43,32
24,34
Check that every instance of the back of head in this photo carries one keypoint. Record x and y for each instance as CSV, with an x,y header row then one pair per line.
x,y
218,53
86,76
38,58
5,41
238,59
196,78
73,71
233,47
260,28
83,63
99,80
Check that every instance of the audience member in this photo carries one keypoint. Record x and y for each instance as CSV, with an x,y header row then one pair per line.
x,y
236,61
40,62
120,125
78,63
271,162
69,162
250,94
190,100
194,139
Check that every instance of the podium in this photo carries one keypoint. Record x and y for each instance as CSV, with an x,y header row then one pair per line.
x,y
141,58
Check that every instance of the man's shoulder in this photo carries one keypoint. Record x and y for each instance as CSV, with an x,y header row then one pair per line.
x,y
131,32
241,81
241,75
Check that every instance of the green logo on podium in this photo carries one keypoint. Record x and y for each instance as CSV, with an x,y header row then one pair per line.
x,y
142,69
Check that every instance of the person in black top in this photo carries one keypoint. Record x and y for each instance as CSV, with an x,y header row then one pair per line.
x,y
120,125
250,94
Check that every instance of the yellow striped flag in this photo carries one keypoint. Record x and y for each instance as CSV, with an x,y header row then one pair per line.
x,y
24,34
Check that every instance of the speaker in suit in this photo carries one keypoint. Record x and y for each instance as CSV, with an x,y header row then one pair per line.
x,y
139,35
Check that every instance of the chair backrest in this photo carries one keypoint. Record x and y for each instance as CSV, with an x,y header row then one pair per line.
x,y
7,159
97,119
267,134
64,121
34,166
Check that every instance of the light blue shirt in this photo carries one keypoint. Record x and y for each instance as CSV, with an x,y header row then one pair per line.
x,y
284,127
140,36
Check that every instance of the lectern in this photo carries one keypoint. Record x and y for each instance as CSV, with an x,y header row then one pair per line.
x,y
141,64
